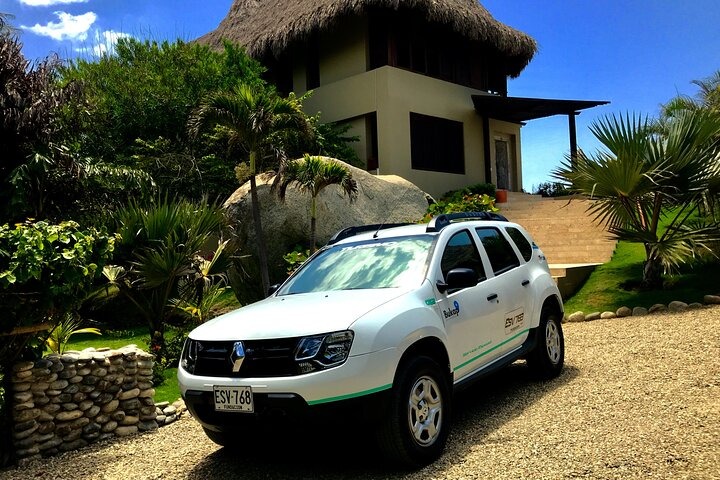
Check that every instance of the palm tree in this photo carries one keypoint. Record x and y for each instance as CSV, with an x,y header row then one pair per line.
x,y
707,98
644,180
312,174
255,120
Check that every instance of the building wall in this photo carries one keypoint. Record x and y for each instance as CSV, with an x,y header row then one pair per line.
x,y
348,92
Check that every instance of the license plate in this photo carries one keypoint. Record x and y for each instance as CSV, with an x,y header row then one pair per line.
x,y
234,399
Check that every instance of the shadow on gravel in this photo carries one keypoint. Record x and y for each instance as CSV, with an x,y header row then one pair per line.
x,y
346,448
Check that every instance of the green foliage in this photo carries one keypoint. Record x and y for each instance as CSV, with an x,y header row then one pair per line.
x,y
643,177
136,106
67,327
30,103
618,283
47,270
256,124
552,189
161,265
295,258
466,203
476,189
327,139
312,174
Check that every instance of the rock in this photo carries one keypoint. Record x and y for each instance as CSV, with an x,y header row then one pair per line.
x,y
110,406
40,401
25,415
21,387
577,317
381,199
171,410
73,445
592,316
118,416
22,426
23,462
125,431
91,428
92,411
147,426
52,443
130,420
18,407
102,418
67,416
23,397
132,404
109,427
170,419
22,367
59,384
160,419
695,305
46,427
72,436
85,405
39,387
607,315
147,393
20,376
623,312
658,307
712,299
129,394
162,404
27,432
27,452
677,306
639,311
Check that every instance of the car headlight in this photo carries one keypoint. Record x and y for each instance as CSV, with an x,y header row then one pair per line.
x,y
323,351
188,358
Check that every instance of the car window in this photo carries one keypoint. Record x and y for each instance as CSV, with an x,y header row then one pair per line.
x,y
382,263
501,254
520,242
461,252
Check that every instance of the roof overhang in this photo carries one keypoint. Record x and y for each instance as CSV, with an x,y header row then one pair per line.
x,y
519,109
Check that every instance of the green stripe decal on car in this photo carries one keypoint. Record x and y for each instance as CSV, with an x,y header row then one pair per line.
x,y
490,350
350,395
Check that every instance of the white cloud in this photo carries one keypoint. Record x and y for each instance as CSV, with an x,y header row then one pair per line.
x,y
104,43
47,3
70,27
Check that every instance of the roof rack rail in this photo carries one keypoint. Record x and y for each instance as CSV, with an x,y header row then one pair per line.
x,y
442,221
352,231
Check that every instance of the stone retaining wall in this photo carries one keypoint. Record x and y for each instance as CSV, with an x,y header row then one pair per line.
x,y
64,402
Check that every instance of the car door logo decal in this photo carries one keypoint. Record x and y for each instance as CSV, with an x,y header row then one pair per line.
x,y
452,312
514,321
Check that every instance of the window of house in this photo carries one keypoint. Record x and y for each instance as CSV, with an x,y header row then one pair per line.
x,y
501,254
461,252
312,66
436,144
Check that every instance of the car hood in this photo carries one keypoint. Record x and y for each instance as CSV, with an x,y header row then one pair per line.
x,y
295,315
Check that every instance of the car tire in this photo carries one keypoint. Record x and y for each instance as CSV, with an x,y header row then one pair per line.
x,y
415,428
547,358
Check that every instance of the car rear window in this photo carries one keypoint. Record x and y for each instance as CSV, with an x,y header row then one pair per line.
x,y
521,242
501,254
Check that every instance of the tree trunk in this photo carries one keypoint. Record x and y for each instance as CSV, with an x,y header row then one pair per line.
x,y
259,237
652,272
313,226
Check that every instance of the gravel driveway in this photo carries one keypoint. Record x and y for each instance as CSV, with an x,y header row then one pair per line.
x,y
639,398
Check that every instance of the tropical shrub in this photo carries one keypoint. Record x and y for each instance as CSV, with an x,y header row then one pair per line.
x,y
295,258
466,203
645,175
552,189
67,327
312,174
160,267
136,104
476,189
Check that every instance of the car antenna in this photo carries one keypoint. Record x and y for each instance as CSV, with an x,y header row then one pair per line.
x,y
397,200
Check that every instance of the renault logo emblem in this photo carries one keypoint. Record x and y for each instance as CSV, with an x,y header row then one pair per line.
x,y
237,356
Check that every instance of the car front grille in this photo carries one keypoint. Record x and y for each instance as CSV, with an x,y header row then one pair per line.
x,y
263,358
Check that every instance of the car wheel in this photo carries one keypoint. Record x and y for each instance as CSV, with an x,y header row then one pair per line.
x,y
547,358
416,427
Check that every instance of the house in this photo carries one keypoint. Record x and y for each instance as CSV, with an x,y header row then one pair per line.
x,y
423,83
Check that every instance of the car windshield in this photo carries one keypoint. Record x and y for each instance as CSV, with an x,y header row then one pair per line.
x,y
382,263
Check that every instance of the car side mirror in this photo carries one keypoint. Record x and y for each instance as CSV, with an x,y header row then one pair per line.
x,y
458,278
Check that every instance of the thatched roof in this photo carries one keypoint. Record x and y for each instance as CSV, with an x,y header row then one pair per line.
x,y
269,26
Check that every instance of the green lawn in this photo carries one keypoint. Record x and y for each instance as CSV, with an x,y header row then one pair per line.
x,y
614,284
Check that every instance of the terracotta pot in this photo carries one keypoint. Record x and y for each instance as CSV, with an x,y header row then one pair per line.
x,y
501,196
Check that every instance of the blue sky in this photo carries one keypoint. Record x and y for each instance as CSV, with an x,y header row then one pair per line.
x,y
636,54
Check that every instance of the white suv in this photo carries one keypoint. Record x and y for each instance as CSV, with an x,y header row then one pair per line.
x,y
391,319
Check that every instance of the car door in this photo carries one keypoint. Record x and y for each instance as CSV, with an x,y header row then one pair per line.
x,y
509,281
468,314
